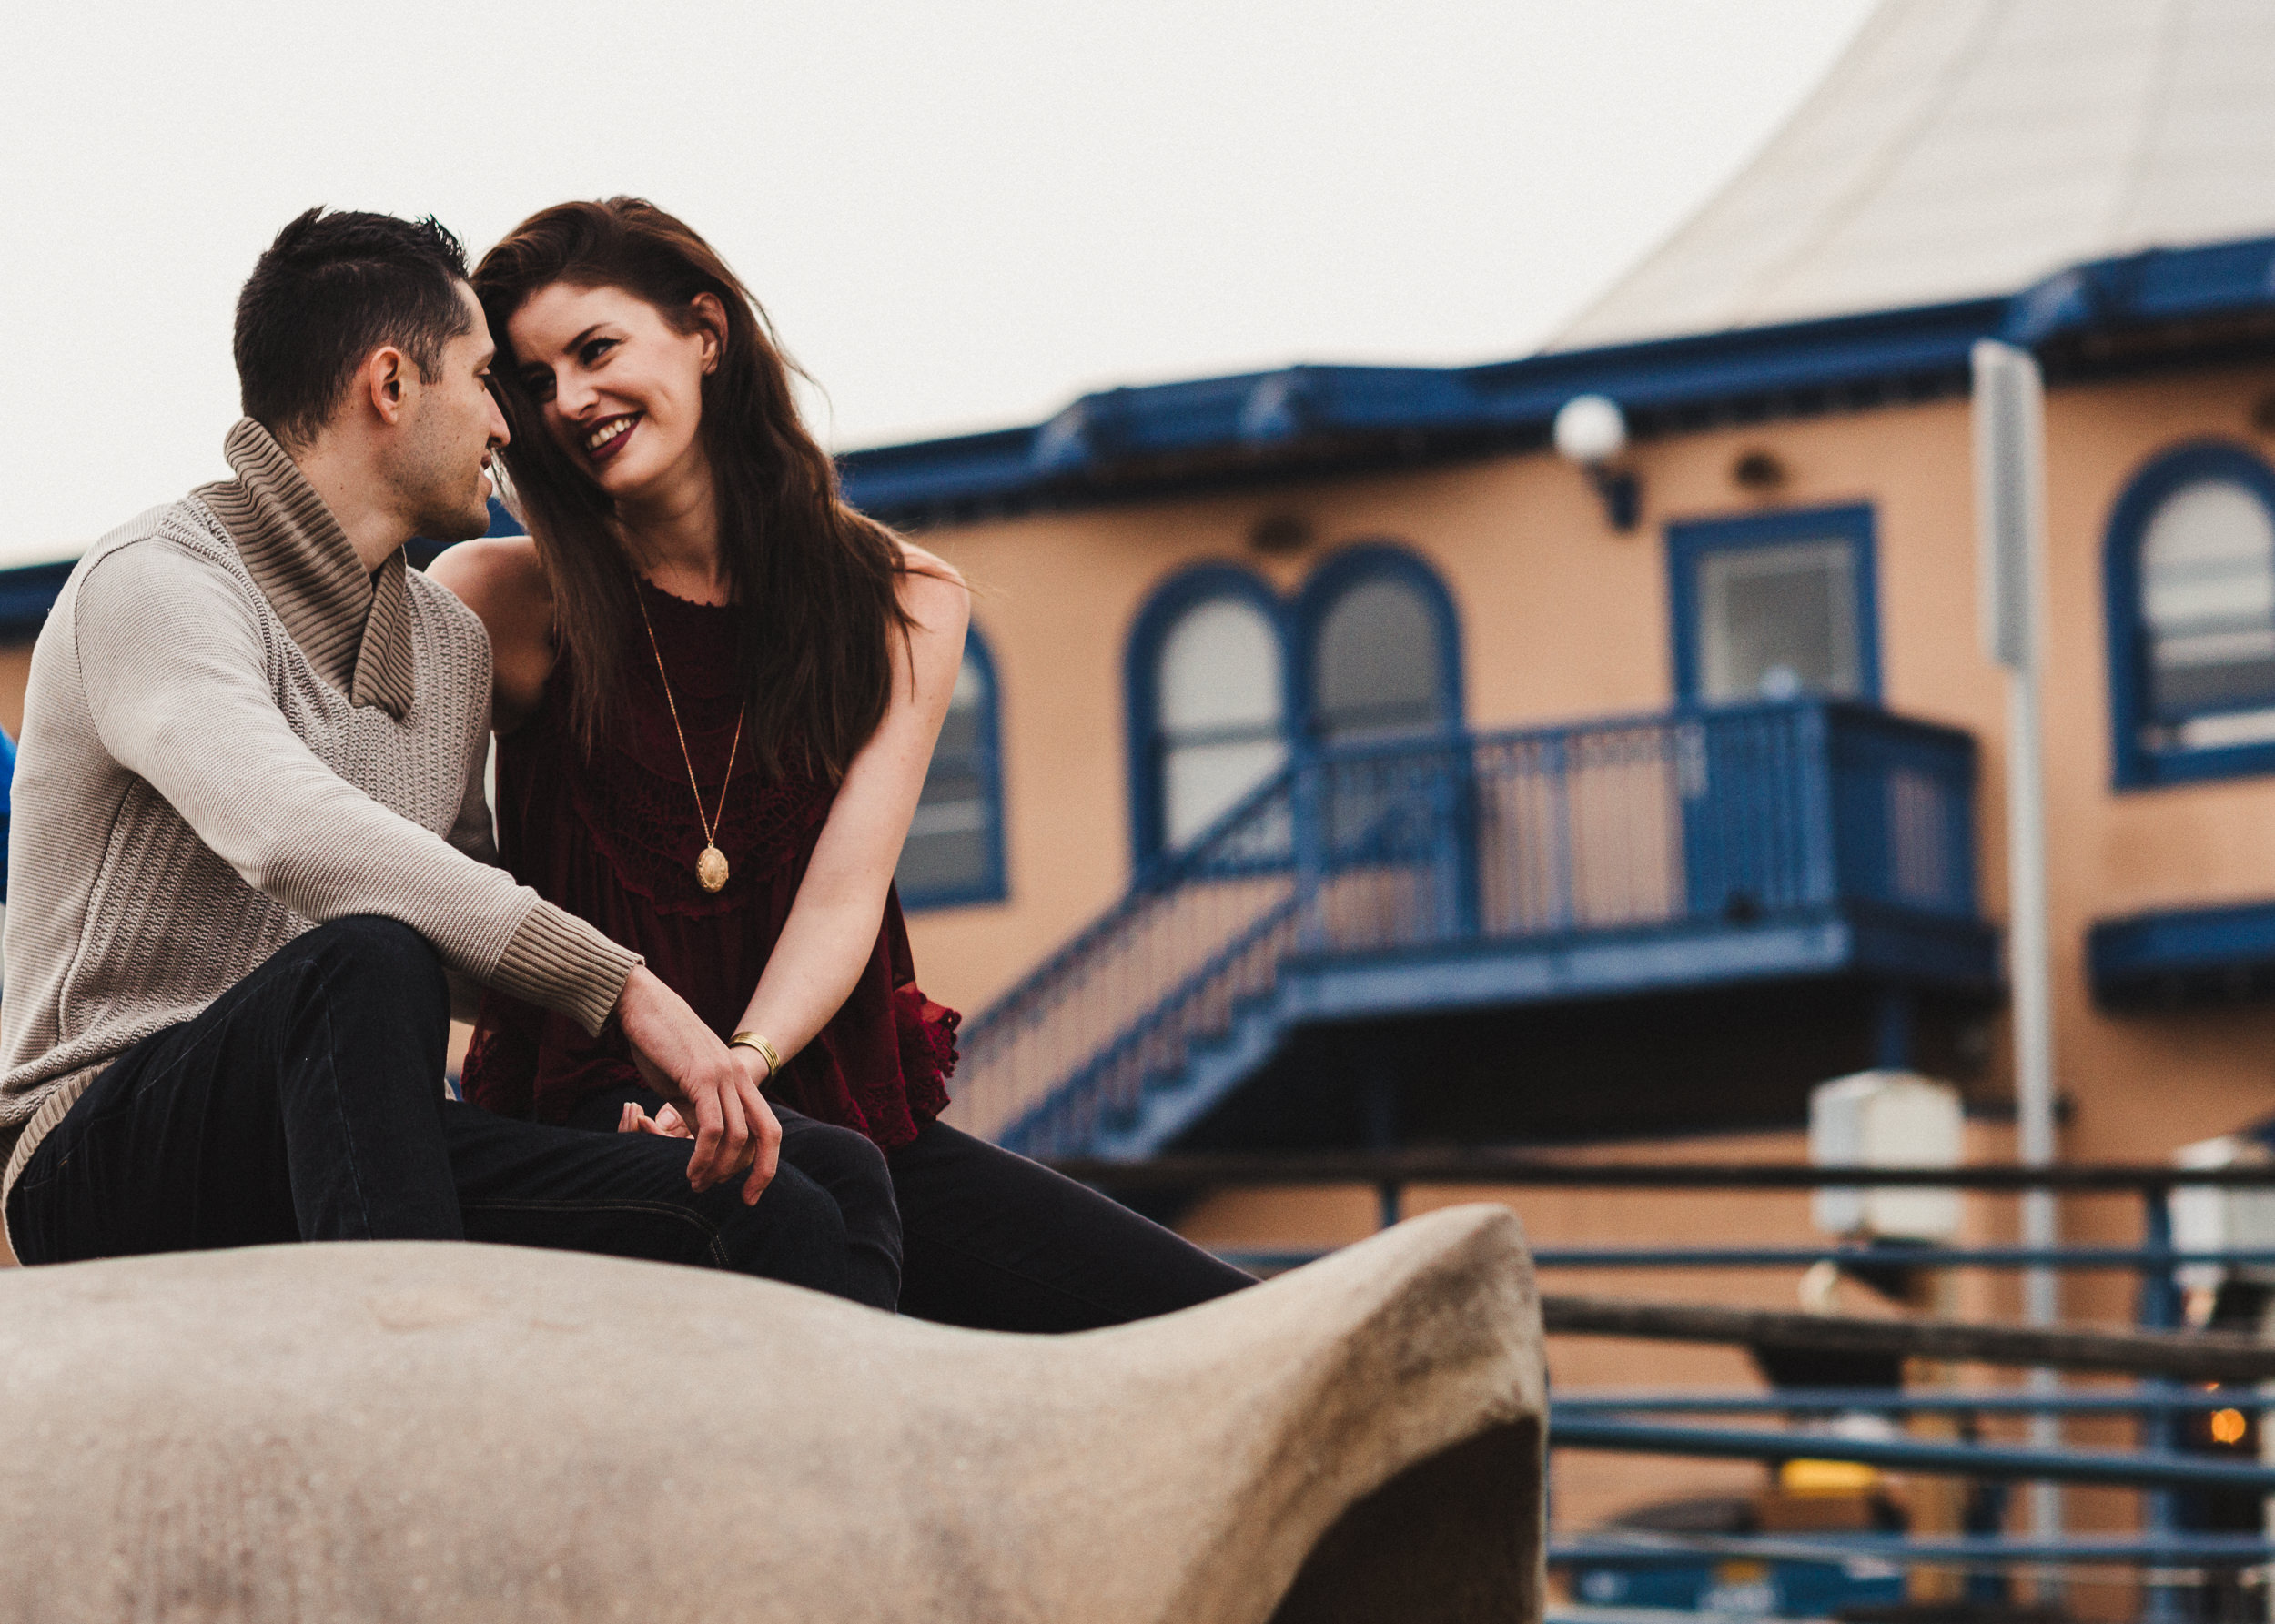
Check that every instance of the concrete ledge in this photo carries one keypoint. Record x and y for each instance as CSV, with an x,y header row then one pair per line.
x,y
417,1431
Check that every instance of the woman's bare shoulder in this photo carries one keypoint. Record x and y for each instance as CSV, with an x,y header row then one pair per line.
x,y
502,581
931,588
498,575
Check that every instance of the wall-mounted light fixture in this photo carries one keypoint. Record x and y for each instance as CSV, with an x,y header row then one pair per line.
x,y
1592,432
1758,471
1277,534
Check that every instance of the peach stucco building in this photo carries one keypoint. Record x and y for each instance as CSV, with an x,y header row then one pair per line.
x,y
1340,765
1632,800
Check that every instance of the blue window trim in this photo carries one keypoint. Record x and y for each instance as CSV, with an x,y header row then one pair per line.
x,y
1352,567
991,886
1689,540
2135,766
1162,611
2178,957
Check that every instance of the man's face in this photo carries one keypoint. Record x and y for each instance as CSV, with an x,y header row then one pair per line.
x,y
453,426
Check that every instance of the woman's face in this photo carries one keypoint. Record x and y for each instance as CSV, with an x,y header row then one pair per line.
x,y
619,386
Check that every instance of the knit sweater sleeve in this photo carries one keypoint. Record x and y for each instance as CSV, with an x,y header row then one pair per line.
x,y
475,835
174,667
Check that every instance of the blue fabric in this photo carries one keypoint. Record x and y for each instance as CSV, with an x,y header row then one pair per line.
x,y
7,786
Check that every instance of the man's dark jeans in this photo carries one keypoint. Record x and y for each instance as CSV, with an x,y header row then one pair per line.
x,y
306,1104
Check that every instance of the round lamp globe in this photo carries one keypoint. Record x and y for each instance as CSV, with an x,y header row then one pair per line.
x,y
1590,430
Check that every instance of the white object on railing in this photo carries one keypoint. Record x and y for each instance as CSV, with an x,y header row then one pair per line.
x,y
1886,1119
2212,1220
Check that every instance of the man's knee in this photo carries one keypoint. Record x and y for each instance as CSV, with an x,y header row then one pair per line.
x,y
795,1233
838,1159
381,951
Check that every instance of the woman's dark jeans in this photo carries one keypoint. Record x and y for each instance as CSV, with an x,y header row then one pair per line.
x,y
994,1241
306,1104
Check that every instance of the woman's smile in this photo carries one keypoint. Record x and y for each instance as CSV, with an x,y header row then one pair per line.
x,y
605,438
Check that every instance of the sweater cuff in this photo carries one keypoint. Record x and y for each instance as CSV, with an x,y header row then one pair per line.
x,y
558,961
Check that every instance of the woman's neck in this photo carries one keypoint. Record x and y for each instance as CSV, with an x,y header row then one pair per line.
x,y
672,538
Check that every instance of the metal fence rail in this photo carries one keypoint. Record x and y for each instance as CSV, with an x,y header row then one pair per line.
x,y
1625,1421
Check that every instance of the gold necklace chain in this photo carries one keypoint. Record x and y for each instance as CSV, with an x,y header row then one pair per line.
x,y
710,865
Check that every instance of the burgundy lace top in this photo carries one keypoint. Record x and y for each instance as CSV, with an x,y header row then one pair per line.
x,y
616,843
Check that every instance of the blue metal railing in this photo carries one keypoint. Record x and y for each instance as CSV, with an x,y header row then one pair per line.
x,y
1651,1422
1689,818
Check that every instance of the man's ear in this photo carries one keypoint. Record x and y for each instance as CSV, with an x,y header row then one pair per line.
x,y
711,321
385,381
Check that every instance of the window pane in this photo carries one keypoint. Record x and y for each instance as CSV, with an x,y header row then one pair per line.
x,y
1776,621
1377,663
1218,700
1202,782
950,840
2208,594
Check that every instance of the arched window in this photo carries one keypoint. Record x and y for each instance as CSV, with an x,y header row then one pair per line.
x,y
953,853
2191,600
1208,704
1379,648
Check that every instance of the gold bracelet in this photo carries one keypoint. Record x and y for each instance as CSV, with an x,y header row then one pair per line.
x,y
758,1046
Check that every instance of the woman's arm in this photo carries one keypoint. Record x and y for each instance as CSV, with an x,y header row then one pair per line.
x,y
833,925
502,581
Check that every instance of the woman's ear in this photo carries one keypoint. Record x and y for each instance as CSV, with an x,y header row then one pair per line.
x,y
711,321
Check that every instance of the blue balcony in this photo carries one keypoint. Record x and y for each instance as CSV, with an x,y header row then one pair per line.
x,y
1451,875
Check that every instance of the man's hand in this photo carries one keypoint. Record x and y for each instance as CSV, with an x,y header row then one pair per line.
x,y
683,1060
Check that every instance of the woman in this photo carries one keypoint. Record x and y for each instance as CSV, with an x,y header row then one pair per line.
x,y
718,688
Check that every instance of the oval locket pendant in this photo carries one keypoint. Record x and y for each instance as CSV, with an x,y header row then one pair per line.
x,y
711,869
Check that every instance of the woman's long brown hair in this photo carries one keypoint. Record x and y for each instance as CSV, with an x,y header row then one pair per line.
x,y
814,580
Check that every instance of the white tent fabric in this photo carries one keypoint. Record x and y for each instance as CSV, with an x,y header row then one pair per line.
x,y
1968,147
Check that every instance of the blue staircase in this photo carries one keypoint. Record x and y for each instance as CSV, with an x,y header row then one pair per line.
x,y
1464,872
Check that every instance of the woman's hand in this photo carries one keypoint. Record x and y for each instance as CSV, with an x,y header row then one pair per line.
x,y
665,1122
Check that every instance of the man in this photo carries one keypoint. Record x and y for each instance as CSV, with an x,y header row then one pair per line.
x,y
248,852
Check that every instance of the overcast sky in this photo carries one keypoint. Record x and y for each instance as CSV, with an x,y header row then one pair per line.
x,y
958,215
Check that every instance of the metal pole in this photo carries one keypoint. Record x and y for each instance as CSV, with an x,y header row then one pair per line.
x,y
2010,517
2159,1311
2034,1044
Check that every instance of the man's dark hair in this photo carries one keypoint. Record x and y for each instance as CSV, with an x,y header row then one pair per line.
x,y
332,289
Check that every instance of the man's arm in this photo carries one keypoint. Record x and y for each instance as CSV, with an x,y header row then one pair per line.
x,y
172,663
474,834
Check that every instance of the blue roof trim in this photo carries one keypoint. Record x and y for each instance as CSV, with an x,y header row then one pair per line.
x,y
25,597
2183,957
1257,427
1218,430
2159,287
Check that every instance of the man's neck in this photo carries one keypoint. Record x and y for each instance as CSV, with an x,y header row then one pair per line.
x,y
352,489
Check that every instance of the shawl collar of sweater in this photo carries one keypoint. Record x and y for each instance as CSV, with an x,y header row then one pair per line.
x,y
354,626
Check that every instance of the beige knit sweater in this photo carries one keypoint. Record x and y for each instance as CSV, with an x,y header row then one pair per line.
x,y
233,733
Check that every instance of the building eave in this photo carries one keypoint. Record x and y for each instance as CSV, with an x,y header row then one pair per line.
x,y
2165,307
